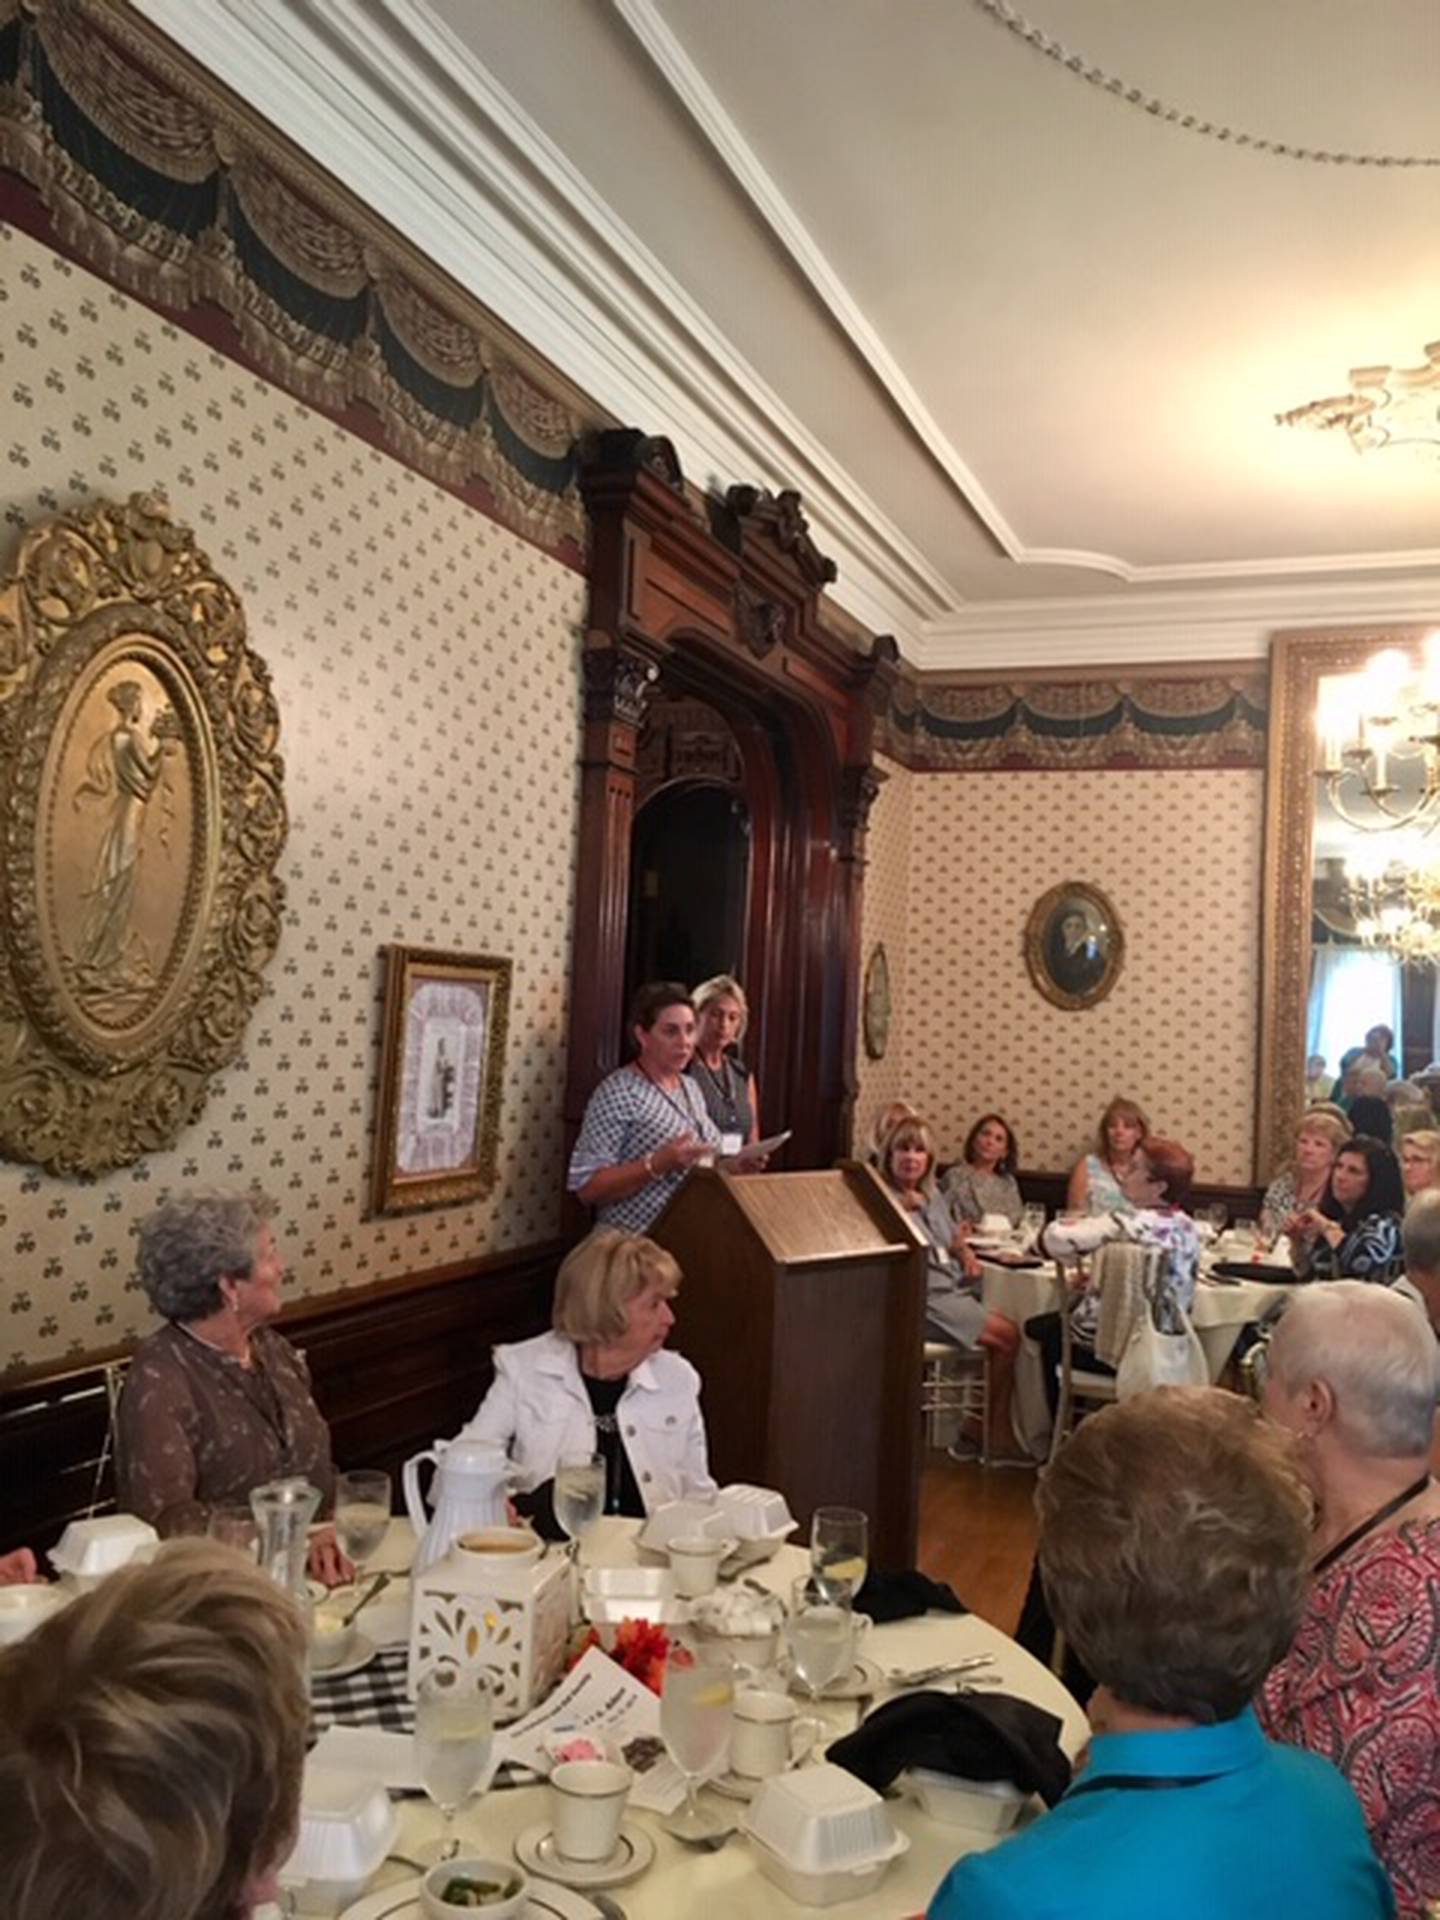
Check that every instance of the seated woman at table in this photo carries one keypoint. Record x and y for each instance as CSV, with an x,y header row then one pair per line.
x,y
1355,1231
1179,1623
885,1123
726,1084
216,1402
1157,1187
1354,1371
983,1180
1097,1181
645,1125
1419,1162
602,1382
954,1310
152,1737
1318,1138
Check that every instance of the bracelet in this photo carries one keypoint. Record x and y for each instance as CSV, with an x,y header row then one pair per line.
x,y
648,1163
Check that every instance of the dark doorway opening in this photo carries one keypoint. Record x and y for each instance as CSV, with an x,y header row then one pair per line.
x,y
689,876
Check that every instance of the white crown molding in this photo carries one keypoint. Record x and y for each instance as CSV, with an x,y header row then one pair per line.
x,y
368,88
705,108
1158,628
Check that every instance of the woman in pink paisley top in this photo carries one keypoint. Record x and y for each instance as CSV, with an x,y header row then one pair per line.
x,y
1354,1372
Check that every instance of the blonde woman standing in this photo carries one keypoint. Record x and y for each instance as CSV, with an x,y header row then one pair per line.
x,y
725,1083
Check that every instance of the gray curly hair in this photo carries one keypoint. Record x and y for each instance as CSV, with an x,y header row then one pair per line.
x,y
190,1244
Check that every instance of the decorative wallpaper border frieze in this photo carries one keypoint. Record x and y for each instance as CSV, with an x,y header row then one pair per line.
x,y
161,183
1216,721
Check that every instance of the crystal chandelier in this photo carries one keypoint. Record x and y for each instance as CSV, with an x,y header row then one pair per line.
x,y
1396,906
1378,734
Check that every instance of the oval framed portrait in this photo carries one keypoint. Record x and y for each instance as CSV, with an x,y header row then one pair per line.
x,y
875,1003
1074,946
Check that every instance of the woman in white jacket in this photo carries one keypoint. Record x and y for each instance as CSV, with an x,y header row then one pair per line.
x,y
601,1382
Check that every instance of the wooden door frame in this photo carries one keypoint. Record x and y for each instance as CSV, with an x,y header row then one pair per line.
x,y
723,596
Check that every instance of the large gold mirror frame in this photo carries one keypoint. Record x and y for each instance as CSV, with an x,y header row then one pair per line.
x,y
143,819
1298,662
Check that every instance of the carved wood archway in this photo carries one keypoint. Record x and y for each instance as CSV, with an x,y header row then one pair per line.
x,y
723,604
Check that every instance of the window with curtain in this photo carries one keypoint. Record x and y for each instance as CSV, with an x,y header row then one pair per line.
x,y
1351,990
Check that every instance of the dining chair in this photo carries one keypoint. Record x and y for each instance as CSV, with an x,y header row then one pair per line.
x,y
113,1373
954,1388
1076,1383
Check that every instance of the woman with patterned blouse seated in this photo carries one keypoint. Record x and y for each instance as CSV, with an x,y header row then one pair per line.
x,y
983,1180
1354,1371
645,1125
1304,1183
216,1402
1097,1183
1355,1231
1173,1534
726,1084
601,1381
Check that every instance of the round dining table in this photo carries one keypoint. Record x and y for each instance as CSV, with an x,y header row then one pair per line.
x,y
729,1881
1222,1308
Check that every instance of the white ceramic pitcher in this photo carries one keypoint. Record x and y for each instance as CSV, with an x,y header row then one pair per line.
x,y
467,1494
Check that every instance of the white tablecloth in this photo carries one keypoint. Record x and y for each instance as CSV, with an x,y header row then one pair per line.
x,y
1220,1311
728,1882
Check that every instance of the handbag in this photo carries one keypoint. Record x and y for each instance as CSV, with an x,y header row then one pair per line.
x,y
1155,1359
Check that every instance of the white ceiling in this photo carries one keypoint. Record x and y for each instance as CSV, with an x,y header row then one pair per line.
x,y
1019,345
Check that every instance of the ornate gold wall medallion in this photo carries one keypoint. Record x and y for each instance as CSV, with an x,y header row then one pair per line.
x,y
143,819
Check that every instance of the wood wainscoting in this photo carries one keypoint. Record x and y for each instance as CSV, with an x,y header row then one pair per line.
x,y
394,1366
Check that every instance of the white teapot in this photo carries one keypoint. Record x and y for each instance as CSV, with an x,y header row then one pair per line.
x,y
472,1478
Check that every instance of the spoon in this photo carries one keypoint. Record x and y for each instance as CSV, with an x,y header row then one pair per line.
x,y
381,1581
607,1908
704,1842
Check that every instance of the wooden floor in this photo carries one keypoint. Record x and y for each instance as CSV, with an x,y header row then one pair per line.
x,y
977,1533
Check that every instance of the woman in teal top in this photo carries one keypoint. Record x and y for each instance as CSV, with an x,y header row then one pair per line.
x,y
1183,1808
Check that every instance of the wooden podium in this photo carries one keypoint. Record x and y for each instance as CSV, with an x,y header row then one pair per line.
x,y
803,1309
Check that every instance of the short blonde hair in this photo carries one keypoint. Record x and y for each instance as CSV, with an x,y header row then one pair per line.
x,y
152,1736
1332,1127
716,988
599,1278
911,1131
1174,1534
1427,1139
888,1118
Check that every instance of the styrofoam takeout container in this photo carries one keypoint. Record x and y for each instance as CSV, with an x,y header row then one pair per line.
x,y
90,1549
821,1835
984,1806
23,1608
632,1593
347,1826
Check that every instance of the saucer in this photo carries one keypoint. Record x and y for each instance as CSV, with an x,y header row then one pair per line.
x,y
740,1786
361,1654
535,1850
402,1902
864,1677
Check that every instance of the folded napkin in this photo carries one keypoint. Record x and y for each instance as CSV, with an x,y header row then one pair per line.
x,y
976,1736
903,1595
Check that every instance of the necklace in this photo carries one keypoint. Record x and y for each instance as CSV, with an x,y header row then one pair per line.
x,y
1357,1534
665,1094
723,1084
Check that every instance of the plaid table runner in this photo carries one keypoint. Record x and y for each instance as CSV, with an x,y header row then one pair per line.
x,y
373,1697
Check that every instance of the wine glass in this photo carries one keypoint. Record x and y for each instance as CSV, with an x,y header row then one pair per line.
x,y
579,1495
839,1551
821,1632
1032,1224
362,1513
454,1732
695,1713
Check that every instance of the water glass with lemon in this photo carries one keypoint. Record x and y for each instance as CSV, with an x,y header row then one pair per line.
x,y
839,1552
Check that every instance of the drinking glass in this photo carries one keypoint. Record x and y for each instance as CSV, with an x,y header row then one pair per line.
x,y
454,1731
695,1713
1245,1234
235,1527
579,1495
1214,1217
362,1513
821,1633
839,1551
1032,1224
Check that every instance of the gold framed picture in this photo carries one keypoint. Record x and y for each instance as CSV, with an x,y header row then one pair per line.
x,y
1074,946
442,1067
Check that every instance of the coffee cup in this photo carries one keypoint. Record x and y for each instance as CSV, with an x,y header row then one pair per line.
x,y
695,1562
587,1804
513,1546
767,1734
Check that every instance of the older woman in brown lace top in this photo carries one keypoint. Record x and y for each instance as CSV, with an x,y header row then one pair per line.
x,y
216,1402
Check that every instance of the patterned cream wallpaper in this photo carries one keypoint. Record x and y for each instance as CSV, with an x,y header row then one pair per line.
x,y
883,917
426,665
1179,855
